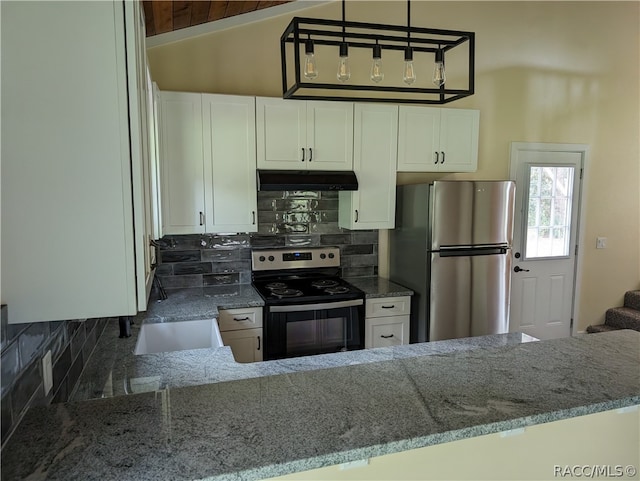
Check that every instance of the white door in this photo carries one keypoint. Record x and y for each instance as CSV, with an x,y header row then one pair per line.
x,y
228,125
418,139
459,140
281,134
329,135
548,186
183,202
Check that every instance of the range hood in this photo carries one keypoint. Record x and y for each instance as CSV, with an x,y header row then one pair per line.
x,y
306,180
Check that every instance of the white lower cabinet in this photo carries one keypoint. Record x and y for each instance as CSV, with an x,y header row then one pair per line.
x,y
241,330
387,321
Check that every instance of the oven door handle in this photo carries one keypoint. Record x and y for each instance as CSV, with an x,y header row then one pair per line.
x,y
316,307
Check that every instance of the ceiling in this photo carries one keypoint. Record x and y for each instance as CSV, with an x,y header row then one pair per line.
x,y
163,16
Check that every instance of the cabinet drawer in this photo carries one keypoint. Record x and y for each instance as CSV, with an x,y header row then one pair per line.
x,y
386,331
234,319
388,306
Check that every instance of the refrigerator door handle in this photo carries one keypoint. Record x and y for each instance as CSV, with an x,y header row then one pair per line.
x,y
484,251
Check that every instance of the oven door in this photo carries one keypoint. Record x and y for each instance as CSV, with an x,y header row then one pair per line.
x,y
306,329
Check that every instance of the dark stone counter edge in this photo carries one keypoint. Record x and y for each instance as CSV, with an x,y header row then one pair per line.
x,y
423,441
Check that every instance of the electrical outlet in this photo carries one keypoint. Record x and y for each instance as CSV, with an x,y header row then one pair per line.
x,y
601,243
47,373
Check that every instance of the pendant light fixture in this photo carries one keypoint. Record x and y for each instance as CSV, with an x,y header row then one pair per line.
x,y
310,66
413,46
377,75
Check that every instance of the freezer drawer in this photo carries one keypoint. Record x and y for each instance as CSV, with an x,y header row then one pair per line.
x,y
471,213
469,295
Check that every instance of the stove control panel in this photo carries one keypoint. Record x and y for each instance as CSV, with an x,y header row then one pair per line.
x,y
270,259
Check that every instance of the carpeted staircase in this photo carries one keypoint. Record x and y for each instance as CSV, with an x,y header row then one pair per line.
x,y
626,317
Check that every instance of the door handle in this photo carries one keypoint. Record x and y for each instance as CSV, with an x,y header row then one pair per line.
x,y
356,216
201,218
302,155
519,269
442,157
437,157
310,154
253,217
258,343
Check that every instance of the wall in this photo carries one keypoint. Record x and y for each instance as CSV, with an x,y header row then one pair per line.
x,y
295,219
565,72
23,346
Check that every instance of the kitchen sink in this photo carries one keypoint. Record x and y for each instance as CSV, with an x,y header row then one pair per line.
x,y
178,336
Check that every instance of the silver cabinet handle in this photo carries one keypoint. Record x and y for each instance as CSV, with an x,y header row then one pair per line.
x,y
258,343
240,319
442,157
201,218
388,307
386,337
356,216
302,155
437,157
310,154
253,217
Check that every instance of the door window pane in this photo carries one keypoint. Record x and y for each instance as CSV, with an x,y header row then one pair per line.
x,y
549,212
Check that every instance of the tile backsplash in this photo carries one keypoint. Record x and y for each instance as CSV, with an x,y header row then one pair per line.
x,y
285,219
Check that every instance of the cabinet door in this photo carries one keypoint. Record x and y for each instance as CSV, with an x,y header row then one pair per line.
x,y
183,200
386,331
372,206
230,163
418,139
329,136
67,217
459,140
246,344
281,131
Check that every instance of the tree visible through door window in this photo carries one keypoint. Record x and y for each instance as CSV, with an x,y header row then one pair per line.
x,y
549,212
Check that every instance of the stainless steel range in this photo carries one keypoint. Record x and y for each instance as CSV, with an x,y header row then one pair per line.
x,y
308,309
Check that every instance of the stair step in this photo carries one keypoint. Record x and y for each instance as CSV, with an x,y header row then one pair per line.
x,y
632,300
623,318
601,328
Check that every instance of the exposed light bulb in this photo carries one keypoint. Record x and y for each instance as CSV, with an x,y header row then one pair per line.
x,y
344,71
310,68
408,73
376,66
439,76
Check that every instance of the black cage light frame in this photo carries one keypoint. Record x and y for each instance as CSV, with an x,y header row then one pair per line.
x,y
365,36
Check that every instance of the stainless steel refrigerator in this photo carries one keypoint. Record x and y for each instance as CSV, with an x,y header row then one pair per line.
x,y
451,245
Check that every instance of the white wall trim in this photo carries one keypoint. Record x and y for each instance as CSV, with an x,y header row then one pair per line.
x,y
230,22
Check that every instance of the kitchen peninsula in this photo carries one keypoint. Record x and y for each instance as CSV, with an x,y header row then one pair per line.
x,y
272,425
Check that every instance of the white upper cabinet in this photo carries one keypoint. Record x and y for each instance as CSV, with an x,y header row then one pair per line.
x,y
208,163
182,161
68,153
437,140
230,163
304,135
372,206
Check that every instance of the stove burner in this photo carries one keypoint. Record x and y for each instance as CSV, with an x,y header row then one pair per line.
x,y
276,285
336,290
324,283
280,293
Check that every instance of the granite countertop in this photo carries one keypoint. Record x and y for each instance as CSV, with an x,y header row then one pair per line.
x,y
273,425
114,370
198,303
379,287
